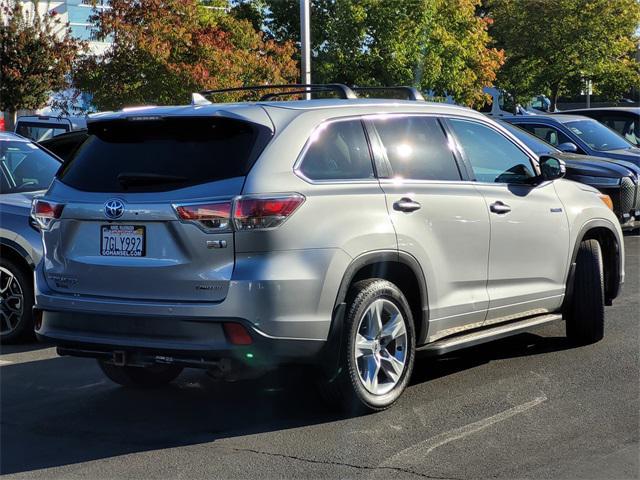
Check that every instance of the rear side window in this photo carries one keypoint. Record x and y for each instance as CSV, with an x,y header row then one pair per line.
x,y
417,148
493,157
550,135
164,154
338,151
38,131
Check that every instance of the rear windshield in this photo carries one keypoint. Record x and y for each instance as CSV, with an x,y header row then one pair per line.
x,y
163,154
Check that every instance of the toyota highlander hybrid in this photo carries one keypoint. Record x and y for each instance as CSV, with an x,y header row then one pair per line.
x,y
347,234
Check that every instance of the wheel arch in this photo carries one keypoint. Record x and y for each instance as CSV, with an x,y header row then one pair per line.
x,y
16,253
610,243
400,268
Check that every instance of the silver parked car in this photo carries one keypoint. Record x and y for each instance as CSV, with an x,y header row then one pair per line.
x,y
343,233
25,170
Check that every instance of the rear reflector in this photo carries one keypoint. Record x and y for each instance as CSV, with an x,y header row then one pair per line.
x,y
44,212
237,334
212,217
250,213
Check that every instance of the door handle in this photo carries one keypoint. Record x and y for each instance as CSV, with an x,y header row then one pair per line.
x,y
499,208
405,204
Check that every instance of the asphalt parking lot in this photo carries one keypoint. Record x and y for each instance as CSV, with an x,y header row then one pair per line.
x,y
526,407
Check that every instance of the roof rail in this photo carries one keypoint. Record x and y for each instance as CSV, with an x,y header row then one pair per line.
x,y
412,93
343,91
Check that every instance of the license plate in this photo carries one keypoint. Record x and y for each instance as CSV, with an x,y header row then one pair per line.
x,y
122,241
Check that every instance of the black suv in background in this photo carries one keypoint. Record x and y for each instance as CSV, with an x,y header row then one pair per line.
x,y
624,120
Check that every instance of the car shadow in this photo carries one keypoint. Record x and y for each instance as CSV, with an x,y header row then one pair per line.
x,y
521,345
62,411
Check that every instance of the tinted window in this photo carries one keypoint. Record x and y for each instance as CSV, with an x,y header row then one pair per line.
x,y
549,134
64,146
492,156
25,167
156,155
625,125
40,131
417,148
597,136
534,143
338,151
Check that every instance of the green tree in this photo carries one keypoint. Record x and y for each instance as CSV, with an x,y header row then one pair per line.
x,y
36,53
439,45
165,49
552,46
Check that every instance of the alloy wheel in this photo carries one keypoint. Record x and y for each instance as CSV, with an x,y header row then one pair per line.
x,y
11,301
381,347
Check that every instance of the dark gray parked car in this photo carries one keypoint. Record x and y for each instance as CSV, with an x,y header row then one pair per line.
x,y
25,170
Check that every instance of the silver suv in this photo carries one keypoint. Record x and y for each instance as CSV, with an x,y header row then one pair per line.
x,y
347,234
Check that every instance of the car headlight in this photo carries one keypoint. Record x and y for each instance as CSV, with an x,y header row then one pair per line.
x,y
597,181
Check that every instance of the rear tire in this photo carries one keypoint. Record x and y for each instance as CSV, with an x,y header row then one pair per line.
x,y
16,290
145,377
376,357
585,316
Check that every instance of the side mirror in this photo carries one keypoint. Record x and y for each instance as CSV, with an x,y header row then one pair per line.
x,y
552,168
568,147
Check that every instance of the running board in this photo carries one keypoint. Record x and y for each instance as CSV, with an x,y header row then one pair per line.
x,y
450,344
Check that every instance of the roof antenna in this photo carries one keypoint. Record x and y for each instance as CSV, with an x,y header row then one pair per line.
x,y
197,100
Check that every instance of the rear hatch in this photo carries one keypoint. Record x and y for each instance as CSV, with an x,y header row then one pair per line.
x,y
144,208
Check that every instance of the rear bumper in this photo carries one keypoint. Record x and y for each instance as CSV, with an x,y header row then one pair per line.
x,y
282,295
168,339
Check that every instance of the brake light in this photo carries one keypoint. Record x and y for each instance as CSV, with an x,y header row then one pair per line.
x,y
212,217
250,213
242,213
44,212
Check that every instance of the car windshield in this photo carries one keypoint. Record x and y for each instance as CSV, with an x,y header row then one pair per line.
x,y
597,136
538,146
25,167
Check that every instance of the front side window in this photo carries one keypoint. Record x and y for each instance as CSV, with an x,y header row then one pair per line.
x,y
493,157
338,151
549,134
417,148
25,167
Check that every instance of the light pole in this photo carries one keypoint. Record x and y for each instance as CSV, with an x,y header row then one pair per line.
x,y
305,44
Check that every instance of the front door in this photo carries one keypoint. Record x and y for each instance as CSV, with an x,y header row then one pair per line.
x,y
529,229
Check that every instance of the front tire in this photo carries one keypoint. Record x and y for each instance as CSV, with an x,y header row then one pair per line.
x,y
16,292
585,316
144,377
378,353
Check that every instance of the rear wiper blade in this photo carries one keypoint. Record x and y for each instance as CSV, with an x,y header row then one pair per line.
x,y
140,179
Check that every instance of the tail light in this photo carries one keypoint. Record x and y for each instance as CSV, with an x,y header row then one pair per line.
x,y
212,217
44,212
243,213
251,213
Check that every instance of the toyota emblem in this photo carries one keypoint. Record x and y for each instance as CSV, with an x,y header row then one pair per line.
x,y
114,208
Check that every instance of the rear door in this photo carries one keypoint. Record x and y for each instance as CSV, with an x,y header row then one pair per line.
x,y
147,207
439,218
529,229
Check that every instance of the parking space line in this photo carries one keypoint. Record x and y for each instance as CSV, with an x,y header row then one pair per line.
x,y
5,362
427,446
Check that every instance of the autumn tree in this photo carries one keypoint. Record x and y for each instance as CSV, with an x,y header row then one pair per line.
x,y
438,45
165,49
551,47
36,53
